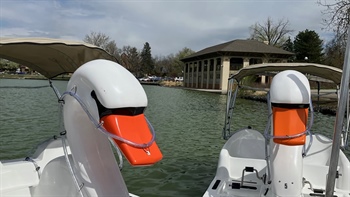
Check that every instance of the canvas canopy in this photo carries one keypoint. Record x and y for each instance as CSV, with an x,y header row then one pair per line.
x,y
50,57
326,72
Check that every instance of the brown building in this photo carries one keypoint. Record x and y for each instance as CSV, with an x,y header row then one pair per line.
x,y
211,67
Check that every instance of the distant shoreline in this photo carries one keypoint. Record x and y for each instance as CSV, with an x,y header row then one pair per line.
x,y
32,77
21,76
325,106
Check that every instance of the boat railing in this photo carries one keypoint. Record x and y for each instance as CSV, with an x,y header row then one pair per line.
x,y
339,122
233,88
231,100
345,138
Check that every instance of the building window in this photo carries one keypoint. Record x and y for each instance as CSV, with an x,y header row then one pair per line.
x,y
218,64
200,66
186,68
236,63
274,60
211,64
255,61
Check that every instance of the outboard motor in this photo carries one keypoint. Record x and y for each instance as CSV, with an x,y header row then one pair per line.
x,y
290,100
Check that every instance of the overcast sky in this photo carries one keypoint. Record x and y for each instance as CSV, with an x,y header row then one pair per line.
x,y
167,25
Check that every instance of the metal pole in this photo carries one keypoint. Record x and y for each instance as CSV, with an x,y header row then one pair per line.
x,y
318,96
344,92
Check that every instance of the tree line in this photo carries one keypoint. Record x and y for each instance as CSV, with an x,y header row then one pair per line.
x,y
141,62
306,45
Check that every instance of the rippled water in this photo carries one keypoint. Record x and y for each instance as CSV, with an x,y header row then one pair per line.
x,y
188,125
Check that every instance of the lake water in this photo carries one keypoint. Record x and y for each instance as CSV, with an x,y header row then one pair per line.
x,y
188,128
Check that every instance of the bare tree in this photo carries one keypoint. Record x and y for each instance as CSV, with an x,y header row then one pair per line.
x,y
274,34
165,65
103,41
337,17
334,53
130,58
171,65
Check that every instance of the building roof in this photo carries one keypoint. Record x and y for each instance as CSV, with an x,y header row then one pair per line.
x,y
236,47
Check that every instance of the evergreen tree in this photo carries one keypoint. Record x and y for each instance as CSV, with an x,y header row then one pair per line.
x,y
147,64
308,47
289,46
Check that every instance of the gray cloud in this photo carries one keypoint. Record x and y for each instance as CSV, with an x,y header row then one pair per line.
x,y
168,26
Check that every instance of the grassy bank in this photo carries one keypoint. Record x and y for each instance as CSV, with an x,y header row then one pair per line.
x,y
171,83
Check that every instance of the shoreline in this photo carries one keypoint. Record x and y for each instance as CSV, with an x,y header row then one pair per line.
x,y
30,77
324,106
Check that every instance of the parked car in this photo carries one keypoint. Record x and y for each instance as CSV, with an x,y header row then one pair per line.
x,y
180,79
150,79
168,79
144,79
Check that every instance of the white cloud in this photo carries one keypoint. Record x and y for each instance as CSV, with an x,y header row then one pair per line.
x,y
167,25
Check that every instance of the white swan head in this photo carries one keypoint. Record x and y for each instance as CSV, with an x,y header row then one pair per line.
x,y
116,100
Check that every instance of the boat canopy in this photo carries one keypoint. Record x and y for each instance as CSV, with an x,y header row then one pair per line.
x,y
326,72
50,57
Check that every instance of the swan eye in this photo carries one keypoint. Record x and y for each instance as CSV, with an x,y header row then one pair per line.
x,y
127,111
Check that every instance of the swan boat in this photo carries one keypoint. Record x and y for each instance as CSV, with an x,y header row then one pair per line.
x,y
287,158
102,108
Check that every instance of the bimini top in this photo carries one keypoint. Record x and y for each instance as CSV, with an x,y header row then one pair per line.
x,y
50,57
327,72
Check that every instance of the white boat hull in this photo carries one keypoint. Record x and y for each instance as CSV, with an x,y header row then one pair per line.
x,y
47,174
246,150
